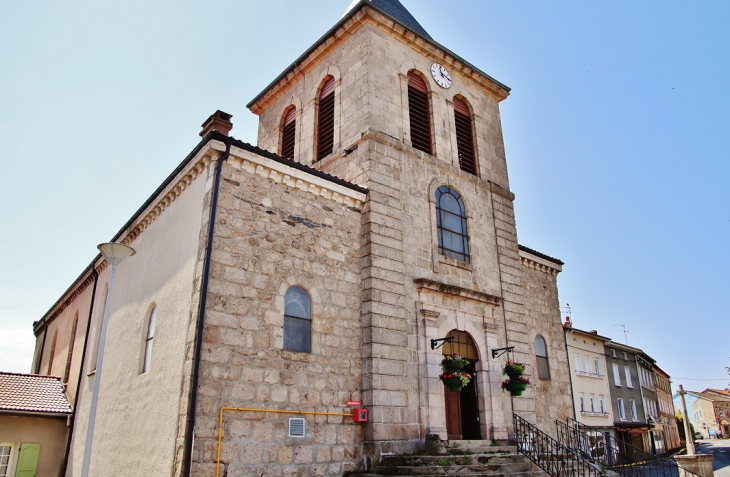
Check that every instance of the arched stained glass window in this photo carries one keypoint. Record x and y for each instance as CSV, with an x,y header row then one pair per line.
x,y
451,224
297,320
543,369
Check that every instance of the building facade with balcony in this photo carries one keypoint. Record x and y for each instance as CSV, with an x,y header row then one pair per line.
x,y
591,392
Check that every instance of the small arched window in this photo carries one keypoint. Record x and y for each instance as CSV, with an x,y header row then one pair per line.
x,y
297,320
53,353
464,137
543,369
149,340
70,353
288,132
326,119
451,224
419,112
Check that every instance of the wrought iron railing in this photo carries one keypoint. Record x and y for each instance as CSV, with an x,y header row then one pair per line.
x,y
606,451
550,455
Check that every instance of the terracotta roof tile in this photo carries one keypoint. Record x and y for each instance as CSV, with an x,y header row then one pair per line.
x,y
33,393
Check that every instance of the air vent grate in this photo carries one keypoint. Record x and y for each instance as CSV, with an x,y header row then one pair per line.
x,y
297,427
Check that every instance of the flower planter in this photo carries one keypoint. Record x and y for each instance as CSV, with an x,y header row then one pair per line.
x,y
513,372
515,389
454,384
452,365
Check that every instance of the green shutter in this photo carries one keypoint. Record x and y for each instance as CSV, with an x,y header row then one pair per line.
x,y
28,460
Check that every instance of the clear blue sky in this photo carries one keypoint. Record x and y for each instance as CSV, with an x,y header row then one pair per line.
x,y
617,137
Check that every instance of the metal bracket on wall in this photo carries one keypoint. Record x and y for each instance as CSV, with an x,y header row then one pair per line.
x,y
434,342
496,353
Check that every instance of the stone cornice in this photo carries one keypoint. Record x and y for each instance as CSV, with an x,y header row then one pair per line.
x,y
533,261
433,285
295,178
382,138
68,298
341,31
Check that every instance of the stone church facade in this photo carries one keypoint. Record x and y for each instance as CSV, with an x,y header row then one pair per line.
x,y
352,236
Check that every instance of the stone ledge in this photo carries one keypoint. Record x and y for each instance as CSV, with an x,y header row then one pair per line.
x,y
428,284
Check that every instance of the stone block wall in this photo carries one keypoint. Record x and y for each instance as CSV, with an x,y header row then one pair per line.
x,y
553,397
270,236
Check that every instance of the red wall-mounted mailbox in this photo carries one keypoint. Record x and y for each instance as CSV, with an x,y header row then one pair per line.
x,y
360,414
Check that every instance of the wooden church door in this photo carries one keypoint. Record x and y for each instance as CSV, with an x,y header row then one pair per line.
x,y
462,408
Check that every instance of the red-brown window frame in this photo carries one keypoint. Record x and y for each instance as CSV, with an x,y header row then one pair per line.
x,y
464,136
325,139
419,111
288,132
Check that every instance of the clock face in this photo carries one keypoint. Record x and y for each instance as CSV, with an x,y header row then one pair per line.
x,y
441,75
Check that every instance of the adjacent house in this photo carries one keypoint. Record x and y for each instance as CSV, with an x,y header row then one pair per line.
x,y
34,412
591,392
667,414
630,418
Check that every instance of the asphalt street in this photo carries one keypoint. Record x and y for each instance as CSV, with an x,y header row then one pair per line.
x,y
721,449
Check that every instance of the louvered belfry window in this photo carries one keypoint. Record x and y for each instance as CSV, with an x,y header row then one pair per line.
x,y
289,129
419,112
326,119
464,137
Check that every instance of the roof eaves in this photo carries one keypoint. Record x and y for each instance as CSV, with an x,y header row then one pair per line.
x,y
343,20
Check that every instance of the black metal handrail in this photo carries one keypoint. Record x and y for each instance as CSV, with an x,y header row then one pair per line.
x,y
604,450
550,455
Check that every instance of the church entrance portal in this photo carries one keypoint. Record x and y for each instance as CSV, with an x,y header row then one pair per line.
x,y
462,408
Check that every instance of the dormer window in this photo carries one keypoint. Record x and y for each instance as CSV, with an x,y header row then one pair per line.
x,y
288,132
419,112
464,137
326,119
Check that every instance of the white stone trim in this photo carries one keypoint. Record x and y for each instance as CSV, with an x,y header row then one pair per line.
x,y
292,177
533,261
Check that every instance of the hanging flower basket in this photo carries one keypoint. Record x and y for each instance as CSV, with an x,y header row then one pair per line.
x,y
516,385
455,380
453,362
513,369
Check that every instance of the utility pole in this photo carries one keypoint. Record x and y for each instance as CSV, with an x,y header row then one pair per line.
x,y
687,433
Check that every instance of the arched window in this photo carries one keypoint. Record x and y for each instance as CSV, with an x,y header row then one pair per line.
x,y
297,321
149,340
451,224
464,137
53,353
419,112
543,370
326,119
70,353
288,132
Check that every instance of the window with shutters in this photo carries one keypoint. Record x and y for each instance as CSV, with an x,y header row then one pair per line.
x,y
297,320
288,132
326,119
70,353
419,112
149,340
451,224
6,451
53,353
464,137
543,368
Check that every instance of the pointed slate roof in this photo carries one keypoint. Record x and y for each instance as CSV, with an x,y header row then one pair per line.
x,y
398,12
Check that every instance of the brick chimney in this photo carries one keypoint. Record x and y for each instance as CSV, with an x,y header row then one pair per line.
x,y
218,121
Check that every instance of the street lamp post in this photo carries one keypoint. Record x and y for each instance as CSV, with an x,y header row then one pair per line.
x,y
114,253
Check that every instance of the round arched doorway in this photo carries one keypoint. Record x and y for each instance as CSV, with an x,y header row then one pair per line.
x,y
462,408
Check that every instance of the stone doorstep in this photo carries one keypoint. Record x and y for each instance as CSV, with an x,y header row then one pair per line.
x,y
484,447
466,459
493,469
460,474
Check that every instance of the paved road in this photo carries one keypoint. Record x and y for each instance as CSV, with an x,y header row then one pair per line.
x,y
721,449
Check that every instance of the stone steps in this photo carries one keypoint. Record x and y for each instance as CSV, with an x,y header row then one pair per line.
x,y
462,458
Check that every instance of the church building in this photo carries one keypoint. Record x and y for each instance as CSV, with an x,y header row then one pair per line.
x,y
286,308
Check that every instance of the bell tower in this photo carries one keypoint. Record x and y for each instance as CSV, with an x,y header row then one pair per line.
x,y
419,127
